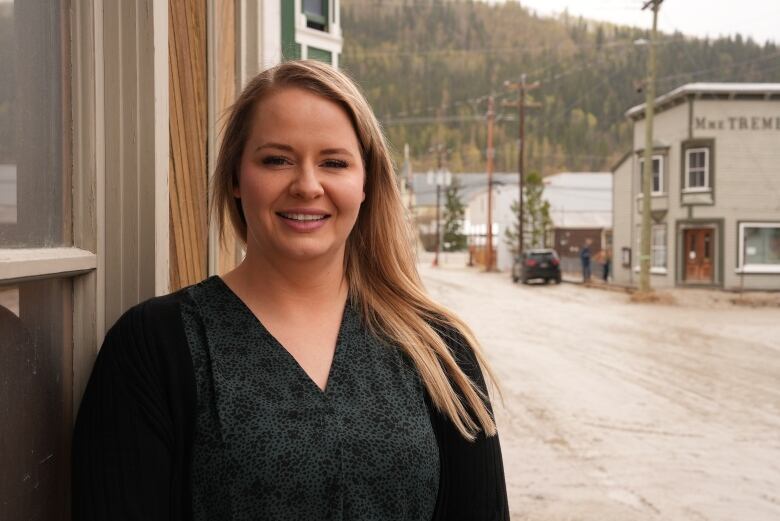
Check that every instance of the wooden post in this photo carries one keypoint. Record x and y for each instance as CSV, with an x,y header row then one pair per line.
x,y
491,116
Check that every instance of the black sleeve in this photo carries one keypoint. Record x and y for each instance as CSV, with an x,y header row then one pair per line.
x,y
129,442
472,485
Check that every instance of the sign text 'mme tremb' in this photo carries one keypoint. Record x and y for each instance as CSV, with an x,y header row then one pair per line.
x,y
738,123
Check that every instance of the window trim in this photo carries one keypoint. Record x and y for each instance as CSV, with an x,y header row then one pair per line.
x,y
753,268
661,176
687,188
22,264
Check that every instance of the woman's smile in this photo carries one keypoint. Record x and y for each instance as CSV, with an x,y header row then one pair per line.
x,y
304,220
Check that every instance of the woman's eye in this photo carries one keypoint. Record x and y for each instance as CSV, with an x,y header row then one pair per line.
x,y
275,161
335,163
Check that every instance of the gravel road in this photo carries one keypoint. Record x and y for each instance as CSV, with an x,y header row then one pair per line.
x,y
619,411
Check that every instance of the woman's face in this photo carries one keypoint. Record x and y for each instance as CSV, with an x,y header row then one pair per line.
x,y
301,177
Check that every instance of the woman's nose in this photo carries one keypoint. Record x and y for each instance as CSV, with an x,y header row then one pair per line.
x,y
306,184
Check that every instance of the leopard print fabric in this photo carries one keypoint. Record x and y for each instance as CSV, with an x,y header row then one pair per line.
x,y
271,445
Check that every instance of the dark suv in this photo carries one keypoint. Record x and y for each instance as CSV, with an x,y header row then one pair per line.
x,y
537,264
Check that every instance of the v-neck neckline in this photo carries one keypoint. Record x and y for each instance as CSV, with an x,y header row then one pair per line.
x,y
285,353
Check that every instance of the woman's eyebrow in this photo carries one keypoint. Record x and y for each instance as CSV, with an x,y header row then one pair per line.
x,y
278,146
343,151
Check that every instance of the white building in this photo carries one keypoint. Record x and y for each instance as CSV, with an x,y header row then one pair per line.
x,y
716,189
580,201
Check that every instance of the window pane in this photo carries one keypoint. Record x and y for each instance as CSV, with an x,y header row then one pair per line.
x,y
659,247
656,174
35,399
762,245
314,7
33,123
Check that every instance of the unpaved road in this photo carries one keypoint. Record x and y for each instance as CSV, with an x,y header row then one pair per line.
x,y
618,411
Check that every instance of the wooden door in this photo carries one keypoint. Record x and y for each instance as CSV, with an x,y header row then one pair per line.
x,y
699,246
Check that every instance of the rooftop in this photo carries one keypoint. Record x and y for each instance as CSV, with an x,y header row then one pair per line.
x,y
709,91
580,199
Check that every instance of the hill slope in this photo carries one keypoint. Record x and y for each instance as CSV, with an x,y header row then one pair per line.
x,y
428,66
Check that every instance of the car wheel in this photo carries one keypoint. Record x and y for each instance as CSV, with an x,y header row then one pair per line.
x,y
546,281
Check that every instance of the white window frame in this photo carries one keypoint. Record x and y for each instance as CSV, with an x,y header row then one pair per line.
x,y
655,270
661,184
754,268
687,186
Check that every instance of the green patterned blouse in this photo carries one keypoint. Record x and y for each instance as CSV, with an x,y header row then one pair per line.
x,y
271,445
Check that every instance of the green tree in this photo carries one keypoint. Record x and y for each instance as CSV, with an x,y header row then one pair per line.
x,y
454,211
537,222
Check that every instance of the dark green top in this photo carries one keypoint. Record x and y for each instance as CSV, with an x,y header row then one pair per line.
x,y
269,444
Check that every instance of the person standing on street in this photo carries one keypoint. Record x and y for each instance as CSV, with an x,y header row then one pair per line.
x,y
585,260
607,264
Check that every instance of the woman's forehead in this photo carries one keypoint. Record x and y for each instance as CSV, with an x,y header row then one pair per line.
x,y
298,115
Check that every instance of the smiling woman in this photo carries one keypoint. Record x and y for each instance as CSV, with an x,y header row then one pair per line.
x,y
317,380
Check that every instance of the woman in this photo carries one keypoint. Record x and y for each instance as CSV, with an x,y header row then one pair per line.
x,y
316,380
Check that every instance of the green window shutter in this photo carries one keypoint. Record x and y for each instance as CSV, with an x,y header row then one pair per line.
x,y
321,55
290,49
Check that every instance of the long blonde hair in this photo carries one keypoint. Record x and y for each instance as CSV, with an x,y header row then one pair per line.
x,y
379,260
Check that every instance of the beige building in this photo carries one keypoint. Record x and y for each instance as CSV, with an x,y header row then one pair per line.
x,y
716,189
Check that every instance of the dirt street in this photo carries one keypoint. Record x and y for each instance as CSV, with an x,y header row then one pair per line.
x,y
619,411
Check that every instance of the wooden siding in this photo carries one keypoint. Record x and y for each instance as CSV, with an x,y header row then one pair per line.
x,y
226,92
188,116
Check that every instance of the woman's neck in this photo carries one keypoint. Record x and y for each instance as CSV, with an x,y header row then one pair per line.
x,y
289,286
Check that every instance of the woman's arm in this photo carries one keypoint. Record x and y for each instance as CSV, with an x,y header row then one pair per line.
x,y
472,485
129,442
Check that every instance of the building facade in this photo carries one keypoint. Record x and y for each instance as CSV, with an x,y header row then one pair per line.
x,y
715,201
110,113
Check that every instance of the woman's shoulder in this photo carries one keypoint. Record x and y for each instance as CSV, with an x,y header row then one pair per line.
x,y
148,338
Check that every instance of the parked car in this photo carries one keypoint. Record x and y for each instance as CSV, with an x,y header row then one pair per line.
x,y
537,264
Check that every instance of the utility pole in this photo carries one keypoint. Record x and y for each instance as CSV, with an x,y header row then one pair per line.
x,y
441,177
521,104
647,170
491,116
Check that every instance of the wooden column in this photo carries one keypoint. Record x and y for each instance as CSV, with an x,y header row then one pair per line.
x,y
188,133
226,90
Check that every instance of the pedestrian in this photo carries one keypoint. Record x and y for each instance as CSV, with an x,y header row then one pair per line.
x,y
317,380
585,260
607,266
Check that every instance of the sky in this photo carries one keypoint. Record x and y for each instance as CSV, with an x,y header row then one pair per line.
x,y
759,19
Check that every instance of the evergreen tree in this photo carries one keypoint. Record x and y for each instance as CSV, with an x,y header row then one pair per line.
x,y
454,211
537,222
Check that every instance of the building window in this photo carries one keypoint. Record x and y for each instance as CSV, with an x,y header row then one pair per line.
x,y
697,173
316,12
658,174
759,247
657,248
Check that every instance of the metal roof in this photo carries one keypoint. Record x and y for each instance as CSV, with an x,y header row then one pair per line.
x,y
580,199
719,90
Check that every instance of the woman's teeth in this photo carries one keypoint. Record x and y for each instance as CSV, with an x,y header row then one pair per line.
x,y
302,216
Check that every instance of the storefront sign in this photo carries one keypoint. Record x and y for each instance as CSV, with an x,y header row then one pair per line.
x,y
738,123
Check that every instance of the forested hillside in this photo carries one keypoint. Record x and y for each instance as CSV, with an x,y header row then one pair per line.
x,y
428,66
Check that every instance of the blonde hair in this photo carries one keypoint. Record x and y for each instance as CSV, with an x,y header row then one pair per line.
x,y
385,282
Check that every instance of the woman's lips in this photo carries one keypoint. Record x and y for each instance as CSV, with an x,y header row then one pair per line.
x,y
303,222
